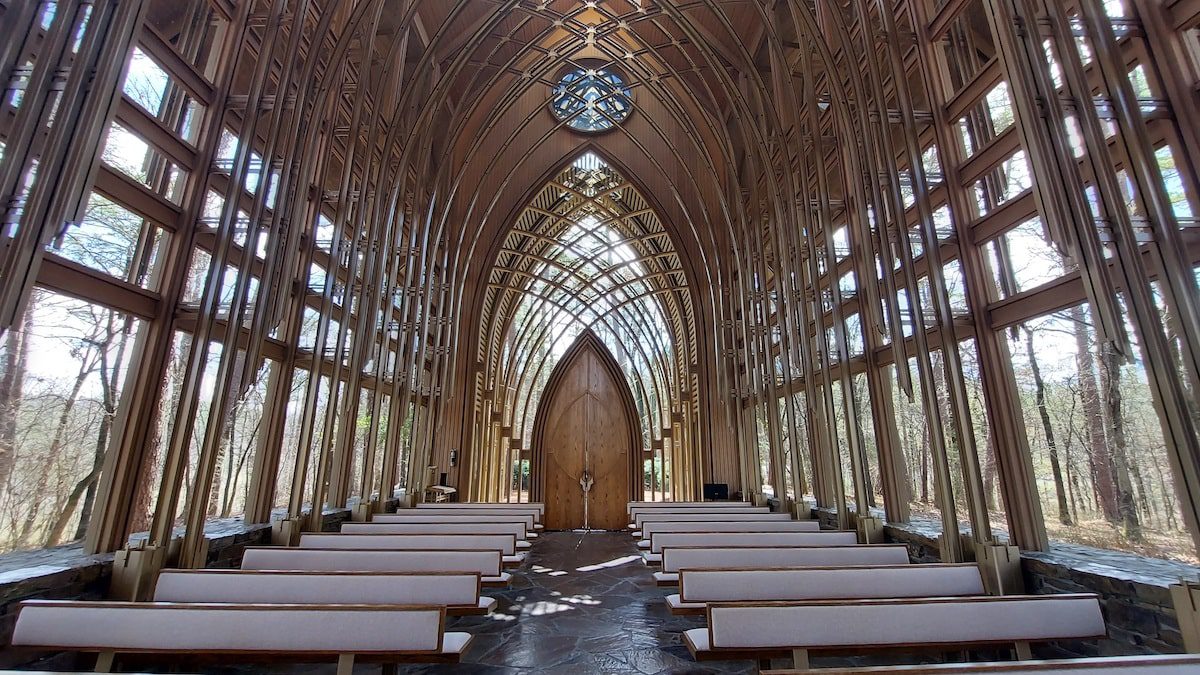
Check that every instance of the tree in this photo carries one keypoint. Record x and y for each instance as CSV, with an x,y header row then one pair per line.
x,y
1064,512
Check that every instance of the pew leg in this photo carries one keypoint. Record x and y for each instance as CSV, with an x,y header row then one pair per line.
x,y
1024,653
800,659
104,662
345,664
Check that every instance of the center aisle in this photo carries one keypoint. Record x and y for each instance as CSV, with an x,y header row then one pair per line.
x,y
583,603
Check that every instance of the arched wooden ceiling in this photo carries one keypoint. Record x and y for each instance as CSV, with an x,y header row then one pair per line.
x,y
454,137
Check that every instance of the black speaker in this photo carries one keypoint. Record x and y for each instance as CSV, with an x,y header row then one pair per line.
x,y
716,491
443,479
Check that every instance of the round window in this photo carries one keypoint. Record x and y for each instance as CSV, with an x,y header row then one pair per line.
x,y
591,99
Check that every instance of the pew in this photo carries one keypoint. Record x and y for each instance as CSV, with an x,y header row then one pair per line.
x,y
735,539
698,587
739,515
639,514
537,509
488,564
478,516
718,557
1158,664
507,544
766,630
630,506
388,634
458,592
514,528
651,528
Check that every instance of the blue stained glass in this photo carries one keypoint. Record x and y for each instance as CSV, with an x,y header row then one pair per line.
x,y
591,99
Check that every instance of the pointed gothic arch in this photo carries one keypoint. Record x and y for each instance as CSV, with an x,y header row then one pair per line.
x,y
588,253
588,404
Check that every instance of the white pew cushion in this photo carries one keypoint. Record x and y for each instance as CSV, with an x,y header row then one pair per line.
x,y
517,529
433,516
650,528
455,643
826,583
737,515
486,563
676,604
713,557
868,623
736,539
453,589
102,626
1156,664
505,543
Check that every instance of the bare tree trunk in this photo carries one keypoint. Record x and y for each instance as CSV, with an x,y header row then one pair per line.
x,y
989,474
86,367
109,378
1110,382
925,464
14,354
1064,511
1098,453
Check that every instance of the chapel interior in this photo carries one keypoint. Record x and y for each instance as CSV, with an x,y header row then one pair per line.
x,y
600,336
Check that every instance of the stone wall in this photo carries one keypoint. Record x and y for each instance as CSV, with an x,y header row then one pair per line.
x,y
1137,606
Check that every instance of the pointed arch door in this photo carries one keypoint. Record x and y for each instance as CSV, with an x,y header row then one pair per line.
x,y
586,421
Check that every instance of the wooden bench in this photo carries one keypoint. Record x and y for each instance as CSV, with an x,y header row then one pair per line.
x,y
698,587
639,515
536,508
507,544
630,506
478,516
458,592
516,529
488,564
768,630
663,540
1160,664
243,633
719,557
738,515
653,527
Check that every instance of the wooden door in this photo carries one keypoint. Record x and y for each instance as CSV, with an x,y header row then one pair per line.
x,y
585,421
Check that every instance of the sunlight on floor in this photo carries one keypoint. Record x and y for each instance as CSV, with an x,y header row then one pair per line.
x,y
615,562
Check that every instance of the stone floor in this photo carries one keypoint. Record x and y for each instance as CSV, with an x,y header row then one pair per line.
x,y
583,603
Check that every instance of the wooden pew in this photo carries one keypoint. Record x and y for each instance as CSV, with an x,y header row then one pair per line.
x,y
630,506
639,514
698,587
663,540
651,528
241,633
507,544
720,557
488,564
1159,664
479,516
640,519
458,592
536,508
777,629
516,529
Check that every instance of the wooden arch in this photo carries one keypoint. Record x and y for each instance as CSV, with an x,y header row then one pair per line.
x,y
588,342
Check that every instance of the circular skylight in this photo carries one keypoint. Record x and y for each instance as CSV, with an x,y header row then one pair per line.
x,y
591,100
